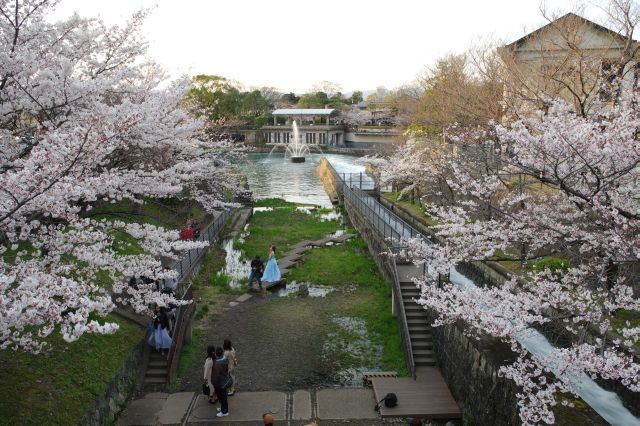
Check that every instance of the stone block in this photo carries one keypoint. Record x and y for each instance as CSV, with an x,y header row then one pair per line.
x,y
301,405
244,297
175,408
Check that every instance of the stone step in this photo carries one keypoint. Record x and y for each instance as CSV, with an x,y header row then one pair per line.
x,y
155,380
426,362
157,357
421,345
407,290
412,306
423,353
408,285
157,363
420,336
416,314
156,372
416,318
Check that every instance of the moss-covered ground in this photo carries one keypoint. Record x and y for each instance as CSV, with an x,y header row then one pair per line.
x,y
58,386
284,226
294,342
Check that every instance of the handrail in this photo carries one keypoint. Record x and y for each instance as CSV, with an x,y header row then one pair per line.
x,y
191,257
403,315
354,196
185,311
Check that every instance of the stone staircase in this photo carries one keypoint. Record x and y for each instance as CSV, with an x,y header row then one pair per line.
x,y
157,371
419,328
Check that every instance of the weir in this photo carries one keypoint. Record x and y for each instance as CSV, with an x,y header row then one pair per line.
x,y
382,228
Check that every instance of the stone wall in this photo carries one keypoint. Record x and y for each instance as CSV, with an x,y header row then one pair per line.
x,y
469,367
120,388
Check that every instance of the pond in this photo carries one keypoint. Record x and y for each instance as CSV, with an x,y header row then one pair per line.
x,y
272,175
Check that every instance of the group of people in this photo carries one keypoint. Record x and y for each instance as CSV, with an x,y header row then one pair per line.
x,y
220,382
190,231
270,273
163,285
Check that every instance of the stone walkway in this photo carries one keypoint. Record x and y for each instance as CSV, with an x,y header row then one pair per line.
x,y
299,406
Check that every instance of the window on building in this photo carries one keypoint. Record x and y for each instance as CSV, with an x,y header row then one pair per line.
x,y
608,74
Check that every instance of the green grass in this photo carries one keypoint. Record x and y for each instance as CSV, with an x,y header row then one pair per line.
x,y
166,212
623,316
284,226
60,385
414,208
348,264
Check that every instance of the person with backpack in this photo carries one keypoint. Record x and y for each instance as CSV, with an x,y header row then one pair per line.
x,y
221,380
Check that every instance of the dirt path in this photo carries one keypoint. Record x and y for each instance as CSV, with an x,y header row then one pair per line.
x,y
282,343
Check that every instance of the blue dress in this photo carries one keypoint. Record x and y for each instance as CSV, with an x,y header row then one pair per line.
x,y
271,271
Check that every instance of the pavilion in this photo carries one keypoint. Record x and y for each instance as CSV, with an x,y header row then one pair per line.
x,y
316,126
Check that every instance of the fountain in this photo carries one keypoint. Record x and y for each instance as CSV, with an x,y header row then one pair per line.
x,y
296,149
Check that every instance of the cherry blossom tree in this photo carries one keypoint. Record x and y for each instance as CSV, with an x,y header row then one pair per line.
x,y
85,118
581,203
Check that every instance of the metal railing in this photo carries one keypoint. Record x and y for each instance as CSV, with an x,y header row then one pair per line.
x,y
182,322
191,257
185,312
353,186
386,222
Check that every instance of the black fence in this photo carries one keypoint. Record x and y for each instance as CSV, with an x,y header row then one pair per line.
x,y
191,257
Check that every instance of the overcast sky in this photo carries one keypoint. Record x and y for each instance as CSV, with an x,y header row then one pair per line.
x,y
291,44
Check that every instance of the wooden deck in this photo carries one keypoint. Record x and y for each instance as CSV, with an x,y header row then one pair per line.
x,y
428,397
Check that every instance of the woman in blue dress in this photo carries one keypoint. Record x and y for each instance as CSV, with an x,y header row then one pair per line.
x,y
271,271
160,338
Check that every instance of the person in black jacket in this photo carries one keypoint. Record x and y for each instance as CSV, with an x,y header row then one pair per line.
x,y
256,272
221,381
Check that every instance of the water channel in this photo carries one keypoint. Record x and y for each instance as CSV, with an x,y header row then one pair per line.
x,y
273,175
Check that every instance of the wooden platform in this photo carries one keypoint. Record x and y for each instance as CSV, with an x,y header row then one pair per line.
x,y
428,397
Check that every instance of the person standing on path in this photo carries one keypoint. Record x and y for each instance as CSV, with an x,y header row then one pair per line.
x,y
271,271
219,378
256,272
230,354
208,366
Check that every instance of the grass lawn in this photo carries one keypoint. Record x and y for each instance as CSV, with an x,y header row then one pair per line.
x,y
60,385
351,264
414,208
283,226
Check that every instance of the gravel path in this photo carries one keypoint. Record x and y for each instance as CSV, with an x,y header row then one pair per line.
x,y
279,342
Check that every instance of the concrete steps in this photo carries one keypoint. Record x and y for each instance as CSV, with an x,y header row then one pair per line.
x,y
157,372
418,323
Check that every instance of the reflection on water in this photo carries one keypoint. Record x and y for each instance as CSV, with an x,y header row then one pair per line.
x,y
271,175
262,209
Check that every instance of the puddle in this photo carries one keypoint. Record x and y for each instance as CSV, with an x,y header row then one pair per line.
x,y
262,209
306,209
236,269
332,215
353,349
295,287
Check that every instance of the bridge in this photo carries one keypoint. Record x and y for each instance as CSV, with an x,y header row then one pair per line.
x,y
424,394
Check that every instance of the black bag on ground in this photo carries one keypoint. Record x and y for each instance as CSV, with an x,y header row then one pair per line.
x,y
390,401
